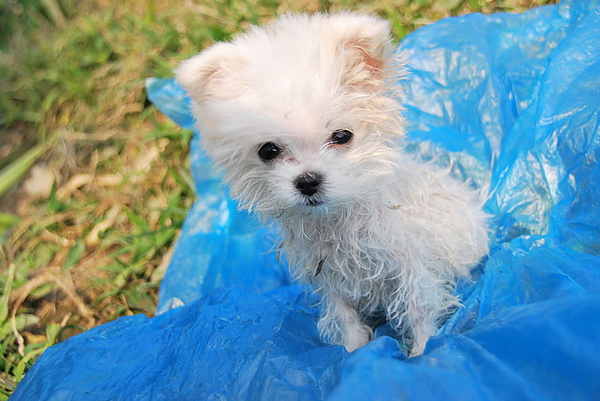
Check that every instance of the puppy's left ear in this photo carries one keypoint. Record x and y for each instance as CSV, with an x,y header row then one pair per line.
x,y
366,47
216,73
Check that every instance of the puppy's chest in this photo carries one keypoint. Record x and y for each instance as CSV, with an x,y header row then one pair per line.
x,y
348,254
358,265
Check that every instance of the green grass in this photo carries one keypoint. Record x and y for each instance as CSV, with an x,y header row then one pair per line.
x,y
92,245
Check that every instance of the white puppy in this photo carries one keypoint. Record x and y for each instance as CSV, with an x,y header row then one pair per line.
x,y
300,116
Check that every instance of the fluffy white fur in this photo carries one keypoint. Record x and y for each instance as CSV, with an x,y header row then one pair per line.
x,y
383,234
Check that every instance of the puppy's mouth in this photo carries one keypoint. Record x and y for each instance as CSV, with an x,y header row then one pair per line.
x,y
313,201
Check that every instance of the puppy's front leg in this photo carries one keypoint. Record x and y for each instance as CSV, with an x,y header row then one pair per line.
x,y
342,323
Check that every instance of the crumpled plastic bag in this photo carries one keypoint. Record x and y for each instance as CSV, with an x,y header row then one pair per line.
x,y
512,102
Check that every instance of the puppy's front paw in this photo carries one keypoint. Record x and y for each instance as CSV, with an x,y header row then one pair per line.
x,y
418,348
357,336
341,324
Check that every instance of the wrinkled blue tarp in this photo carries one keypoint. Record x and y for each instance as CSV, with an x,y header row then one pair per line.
x,y
514,102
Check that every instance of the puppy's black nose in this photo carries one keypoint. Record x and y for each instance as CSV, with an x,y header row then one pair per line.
x,y
308,183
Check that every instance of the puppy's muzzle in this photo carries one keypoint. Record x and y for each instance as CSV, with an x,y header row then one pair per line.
x,y
309,183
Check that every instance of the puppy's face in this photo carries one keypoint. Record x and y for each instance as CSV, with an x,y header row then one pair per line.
x,y
295,113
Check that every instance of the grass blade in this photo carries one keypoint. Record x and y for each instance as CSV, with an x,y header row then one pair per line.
x,y
14,171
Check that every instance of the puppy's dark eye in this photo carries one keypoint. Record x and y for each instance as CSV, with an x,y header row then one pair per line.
x,y
340,137
269,151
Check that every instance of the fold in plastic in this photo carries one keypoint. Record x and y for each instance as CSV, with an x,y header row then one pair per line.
x,y
513,102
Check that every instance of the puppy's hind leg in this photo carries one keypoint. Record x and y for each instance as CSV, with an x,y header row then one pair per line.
x,y
342,324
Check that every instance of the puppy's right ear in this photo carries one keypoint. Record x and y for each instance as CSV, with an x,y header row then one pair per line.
x,y
216,73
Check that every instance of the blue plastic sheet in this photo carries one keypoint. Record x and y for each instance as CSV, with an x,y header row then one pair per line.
x,y
514,102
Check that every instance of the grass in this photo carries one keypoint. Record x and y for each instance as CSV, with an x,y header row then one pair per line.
x,y
94,182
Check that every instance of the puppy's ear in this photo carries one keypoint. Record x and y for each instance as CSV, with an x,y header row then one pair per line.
x,y
366,46
213,74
